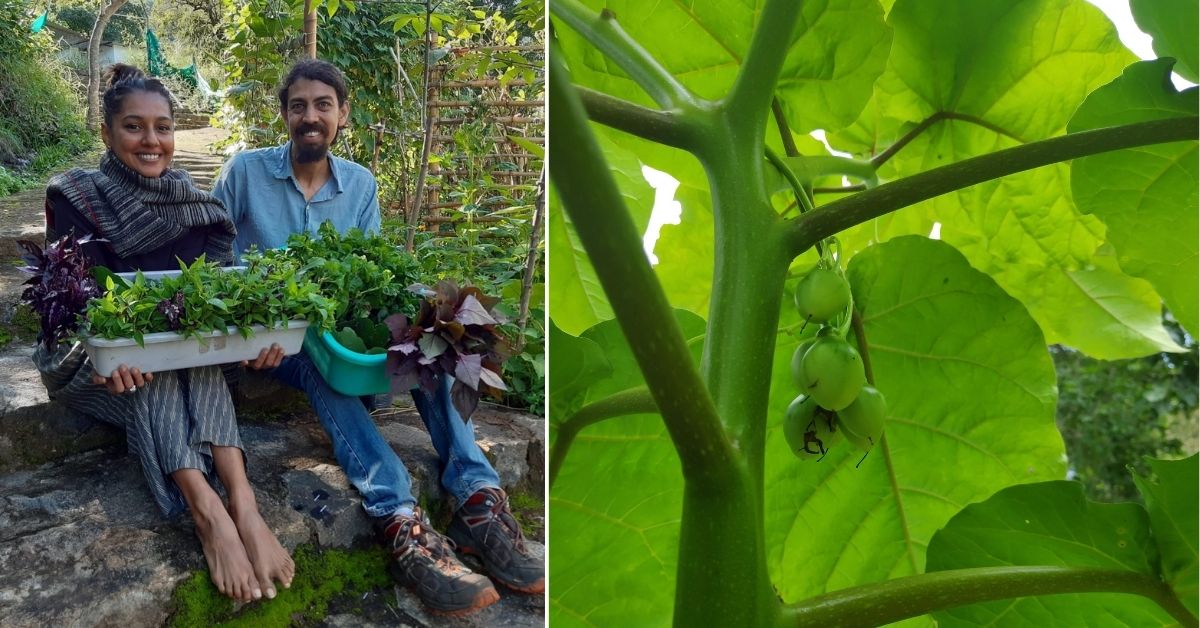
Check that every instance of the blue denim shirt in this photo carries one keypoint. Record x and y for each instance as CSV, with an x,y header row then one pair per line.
x,y
267,205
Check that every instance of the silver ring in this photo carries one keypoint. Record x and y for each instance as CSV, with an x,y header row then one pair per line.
x,y
132,389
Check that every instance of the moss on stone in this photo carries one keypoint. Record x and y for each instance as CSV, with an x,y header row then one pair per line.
x,y
322,576
529,510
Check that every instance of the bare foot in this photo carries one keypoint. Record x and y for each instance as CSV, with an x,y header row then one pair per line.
x,y
271,562
228,563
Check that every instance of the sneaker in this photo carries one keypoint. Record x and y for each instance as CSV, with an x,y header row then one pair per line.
x,y
485,527
425,562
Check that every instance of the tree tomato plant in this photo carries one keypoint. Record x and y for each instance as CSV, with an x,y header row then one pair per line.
x,y
1015,178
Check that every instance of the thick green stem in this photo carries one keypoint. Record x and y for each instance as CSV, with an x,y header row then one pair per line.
x,y
633,401
608,233
912,596
672,128
722,567
754,88
848,212
603,32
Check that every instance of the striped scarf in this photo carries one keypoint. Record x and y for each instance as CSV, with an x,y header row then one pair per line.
x,y
137,214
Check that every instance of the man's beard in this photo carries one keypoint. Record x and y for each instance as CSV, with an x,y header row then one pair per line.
x,y
308,153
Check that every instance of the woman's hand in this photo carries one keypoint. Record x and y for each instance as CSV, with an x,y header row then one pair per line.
x,y
267,358
123,380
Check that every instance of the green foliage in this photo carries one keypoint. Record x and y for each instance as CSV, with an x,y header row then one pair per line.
x,y
40,121
364,276
203,297
954,329
1052,524
1115,414
1169,490
127,26
322,576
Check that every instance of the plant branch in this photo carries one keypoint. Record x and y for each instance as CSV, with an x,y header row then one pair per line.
x,y
665,127
842,190
785,132
844,213
911,596
801,194
882,158
627,402
603,32
750,97
597,208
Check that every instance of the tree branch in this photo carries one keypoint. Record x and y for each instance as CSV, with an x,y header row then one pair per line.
x,y
893,600
627,402
665,127
844,213
603,32
750,97
608,234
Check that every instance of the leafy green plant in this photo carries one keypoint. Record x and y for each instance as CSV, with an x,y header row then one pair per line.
x,y
204,297
40,123
1057,174
367,277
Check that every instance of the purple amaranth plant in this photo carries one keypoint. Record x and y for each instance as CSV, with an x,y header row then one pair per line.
x,y
454,332
61,285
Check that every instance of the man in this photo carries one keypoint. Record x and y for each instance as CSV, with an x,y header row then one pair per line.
x,y
274,192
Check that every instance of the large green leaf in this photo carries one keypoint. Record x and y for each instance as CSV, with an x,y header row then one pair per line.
x,y
616,505
837,51
1010,73
1170,493
1147,197
971,392
840,50
1049,523
577,300
1173,24
578,363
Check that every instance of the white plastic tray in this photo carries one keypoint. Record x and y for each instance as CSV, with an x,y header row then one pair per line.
x,y
157,275
168,351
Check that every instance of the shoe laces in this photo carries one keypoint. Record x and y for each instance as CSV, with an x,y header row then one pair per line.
x,y
496,511
413,534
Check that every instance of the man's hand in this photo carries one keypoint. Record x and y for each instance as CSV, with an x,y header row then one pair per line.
x,y
267,358
123,380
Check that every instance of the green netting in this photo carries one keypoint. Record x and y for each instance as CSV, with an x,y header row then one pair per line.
x,y
158,66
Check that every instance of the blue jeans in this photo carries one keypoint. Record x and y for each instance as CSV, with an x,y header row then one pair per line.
x,y
369,462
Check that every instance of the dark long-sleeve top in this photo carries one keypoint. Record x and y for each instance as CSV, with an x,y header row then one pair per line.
x,y
62,217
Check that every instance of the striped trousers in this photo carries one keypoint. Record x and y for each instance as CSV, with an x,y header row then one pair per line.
x,y
170,423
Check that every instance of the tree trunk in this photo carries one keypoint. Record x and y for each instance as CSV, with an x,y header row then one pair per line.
x,y
310,30
426,146
97,35
535,237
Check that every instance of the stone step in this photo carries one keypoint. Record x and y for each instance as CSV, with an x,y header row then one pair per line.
x,y
82,543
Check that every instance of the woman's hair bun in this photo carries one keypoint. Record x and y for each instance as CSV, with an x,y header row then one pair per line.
x,y
119,72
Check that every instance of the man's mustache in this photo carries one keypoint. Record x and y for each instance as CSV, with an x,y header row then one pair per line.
x,y
305,128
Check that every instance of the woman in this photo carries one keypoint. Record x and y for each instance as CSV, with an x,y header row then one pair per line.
x,y
180,424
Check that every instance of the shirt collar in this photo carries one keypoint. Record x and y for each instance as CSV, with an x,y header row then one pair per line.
x,y
283,169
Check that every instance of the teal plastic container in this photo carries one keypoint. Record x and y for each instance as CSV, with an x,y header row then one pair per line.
x,y
348,372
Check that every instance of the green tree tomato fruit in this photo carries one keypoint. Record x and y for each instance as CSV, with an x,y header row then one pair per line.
x,y
798,359
862,421
832,373
821,295
810,429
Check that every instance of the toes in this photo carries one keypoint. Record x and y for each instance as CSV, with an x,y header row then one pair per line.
x,y
265,586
